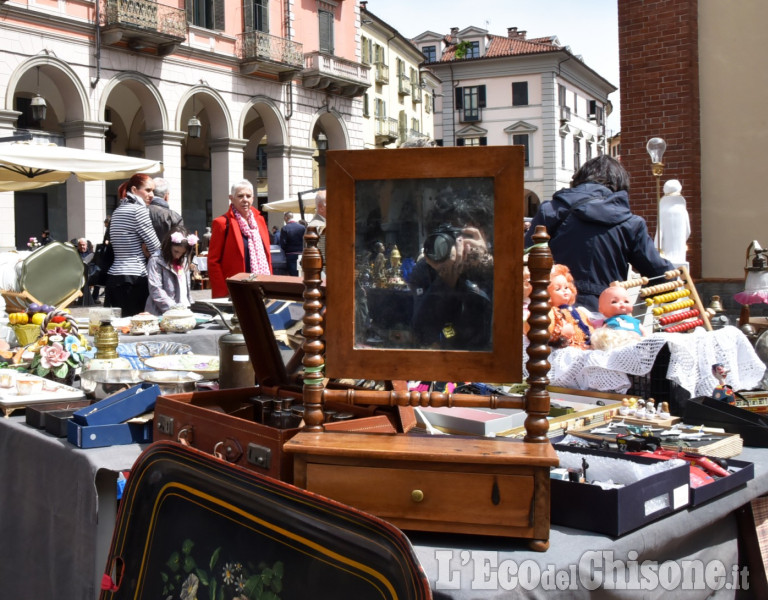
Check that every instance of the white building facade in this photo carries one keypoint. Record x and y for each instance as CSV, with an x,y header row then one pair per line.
x,y
513,91
399,104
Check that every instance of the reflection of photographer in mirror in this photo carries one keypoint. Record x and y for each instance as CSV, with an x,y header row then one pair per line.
x,y
453,280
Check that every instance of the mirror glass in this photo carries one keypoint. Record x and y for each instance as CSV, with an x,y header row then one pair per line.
x,y
424,264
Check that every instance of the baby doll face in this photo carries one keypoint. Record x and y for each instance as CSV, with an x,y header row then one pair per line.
x,y
614,301
559,291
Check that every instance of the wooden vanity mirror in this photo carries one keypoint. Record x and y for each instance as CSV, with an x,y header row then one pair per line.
x,y
427,200
393,213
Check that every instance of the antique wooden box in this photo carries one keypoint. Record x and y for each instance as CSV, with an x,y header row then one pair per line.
x,y
421,482
230,423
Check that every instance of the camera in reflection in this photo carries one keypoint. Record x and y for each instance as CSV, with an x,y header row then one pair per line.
x,y
437,246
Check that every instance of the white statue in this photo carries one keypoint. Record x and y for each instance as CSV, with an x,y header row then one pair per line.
x,y
674,224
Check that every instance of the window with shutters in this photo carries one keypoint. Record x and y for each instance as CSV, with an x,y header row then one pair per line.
x,y
589,151
472,141
367,47
469,101
366,109
522,139
326,31
206,13
380,108
256,15
576,153
561,100
520,93
402,127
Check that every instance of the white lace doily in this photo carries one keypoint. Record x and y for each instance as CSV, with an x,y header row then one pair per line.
x,y
690,366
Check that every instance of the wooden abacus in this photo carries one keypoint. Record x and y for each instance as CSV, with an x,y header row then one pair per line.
x,y
674,304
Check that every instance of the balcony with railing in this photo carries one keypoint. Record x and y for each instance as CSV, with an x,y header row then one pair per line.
x,y
386,130
404,84
335,75
382,73
142,25
265,53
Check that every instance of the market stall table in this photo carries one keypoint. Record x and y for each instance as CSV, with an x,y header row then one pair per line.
x,y
57,511
204,339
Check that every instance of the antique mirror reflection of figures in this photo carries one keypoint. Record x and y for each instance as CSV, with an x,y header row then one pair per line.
x,y
424,263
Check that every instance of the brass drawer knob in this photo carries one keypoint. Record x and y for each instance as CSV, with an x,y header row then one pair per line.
x,y
417,495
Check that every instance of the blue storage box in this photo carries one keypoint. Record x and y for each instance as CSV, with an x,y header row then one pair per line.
x,y
99,436
119,407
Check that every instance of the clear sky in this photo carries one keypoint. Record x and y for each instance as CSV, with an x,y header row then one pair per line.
x,y
589,27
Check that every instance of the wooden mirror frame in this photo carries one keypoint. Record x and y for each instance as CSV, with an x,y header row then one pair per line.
x,y
503,363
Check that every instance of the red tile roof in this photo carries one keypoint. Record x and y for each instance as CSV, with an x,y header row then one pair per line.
x,y
504,46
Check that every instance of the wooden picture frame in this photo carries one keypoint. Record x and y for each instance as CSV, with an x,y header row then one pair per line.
x,y
414,181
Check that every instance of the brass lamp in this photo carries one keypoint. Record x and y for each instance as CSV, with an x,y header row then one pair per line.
x,y
656,147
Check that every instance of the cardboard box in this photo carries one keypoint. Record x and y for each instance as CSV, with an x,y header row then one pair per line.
x,y
35,415
618,511
741,473
119,407
470,421
588,408
98,436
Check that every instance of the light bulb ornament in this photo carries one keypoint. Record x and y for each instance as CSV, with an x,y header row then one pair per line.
x,y
656,147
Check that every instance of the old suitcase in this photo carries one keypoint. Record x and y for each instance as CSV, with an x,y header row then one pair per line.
x,y
230,423
191,526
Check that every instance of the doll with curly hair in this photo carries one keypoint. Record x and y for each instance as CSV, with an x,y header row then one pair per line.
x,y
569,324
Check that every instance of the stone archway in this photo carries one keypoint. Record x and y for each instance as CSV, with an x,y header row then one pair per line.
x,y
531,203
59,208
210,161
265,157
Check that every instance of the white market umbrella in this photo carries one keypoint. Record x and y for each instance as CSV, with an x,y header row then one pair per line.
x,y
26,166
292,204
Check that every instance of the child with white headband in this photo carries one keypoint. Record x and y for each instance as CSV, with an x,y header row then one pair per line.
x,y
168,272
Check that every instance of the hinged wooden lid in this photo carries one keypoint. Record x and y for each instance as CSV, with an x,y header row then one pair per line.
x,y
248,293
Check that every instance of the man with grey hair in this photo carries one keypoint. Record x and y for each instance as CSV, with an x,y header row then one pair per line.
x,y
163,217
318,221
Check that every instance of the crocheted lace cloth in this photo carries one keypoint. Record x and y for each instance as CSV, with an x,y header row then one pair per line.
x,y
692,355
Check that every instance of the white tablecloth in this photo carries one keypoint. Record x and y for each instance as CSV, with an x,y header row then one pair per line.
x,y
690,366
201,262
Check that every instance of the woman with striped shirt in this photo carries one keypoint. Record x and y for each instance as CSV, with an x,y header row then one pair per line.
x,y
133,240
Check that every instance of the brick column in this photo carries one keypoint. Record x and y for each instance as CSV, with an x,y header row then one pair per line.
x,y
659,92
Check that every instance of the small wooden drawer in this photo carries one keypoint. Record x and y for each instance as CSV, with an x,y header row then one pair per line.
x,y
427,495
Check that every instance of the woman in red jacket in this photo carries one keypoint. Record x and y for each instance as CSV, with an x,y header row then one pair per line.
x,y
239,241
